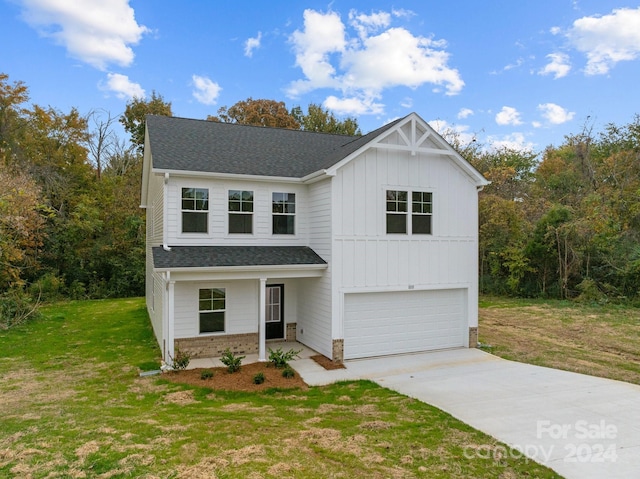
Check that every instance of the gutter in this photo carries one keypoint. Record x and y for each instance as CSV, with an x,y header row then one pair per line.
x,y
165,201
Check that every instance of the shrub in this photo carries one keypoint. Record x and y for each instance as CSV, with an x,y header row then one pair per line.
x,y
280,358
181,360
288,373
258,378
231,361
206,374
16,307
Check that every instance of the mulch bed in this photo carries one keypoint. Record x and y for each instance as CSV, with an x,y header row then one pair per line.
x,y
240,380
327,363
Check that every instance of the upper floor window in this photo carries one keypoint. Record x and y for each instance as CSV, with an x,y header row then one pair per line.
x,y
421,212
396,211
195,210
212,307
283,208
240,211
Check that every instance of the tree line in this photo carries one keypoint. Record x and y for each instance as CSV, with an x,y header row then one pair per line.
x,y
564,223
70,221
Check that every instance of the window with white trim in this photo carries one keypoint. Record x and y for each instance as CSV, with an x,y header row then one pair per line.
x,y
195,210
421,212
396,212
212,308
240,212
283,208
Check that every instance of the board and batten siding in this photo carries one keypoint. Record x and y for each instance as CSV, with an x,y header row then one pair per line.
x,y
369,259
218,213
314,302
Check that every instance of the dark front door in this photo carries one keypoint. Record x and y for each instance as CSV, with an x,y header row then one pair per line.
x,y
275,311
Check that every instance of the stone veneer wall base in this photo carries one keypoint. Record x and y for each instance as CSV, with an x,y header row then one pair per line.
x,y
473,337
214,346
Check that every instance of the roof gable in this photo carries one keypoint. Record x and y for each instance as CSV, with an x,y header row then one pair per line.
x,y
414,135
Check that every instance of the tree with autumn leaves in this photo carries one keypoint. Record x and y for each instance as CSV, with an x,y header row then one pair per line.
x,y
564,223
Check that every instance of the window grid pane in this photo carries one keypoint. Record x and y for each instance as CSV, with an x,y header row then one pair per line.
x,y
195,207
283,208
211,305
422,210
240,212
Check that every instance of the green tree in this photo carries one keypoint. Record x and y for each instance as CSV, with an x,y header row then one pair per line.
x,y
133,118
21,226
260,112
12,121
322,120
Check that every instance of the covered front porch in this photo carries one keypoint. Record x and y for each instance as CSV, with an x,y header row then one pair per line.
x,y
235,298
214,362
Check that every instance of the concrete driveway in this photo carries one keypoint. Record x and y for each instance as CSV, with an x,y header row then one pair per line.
x,y
580,426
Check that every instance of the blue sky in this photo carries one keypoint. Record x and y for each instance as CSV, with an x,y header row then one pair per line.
x,y
519,73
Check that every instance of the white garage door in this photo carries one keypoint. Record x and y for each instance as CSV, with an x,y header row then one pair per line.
x,y
378,324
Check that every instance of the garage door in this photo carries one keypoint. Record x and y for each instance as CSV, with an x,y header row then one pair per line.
x,y
383,323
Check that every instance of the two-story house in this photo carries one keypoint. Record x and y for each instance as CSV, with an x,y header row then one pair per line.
x,y
354,246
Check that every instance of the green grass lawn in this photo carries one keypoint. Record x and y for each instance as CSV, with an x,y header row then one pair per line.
x,y
600,340
72,405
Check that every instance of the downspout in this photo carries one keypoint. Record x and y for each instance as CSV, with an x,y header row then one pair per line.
x,y
170,319
165,198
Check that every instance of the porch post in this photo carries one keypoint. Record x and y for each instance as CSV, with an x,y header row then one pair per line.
x,y
170,320
262,321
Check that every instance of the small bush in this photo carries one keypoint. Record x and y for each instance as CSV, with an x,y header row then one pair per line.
x,y
231,361
258,378
280,359
16,307
206,374
181,360
288,373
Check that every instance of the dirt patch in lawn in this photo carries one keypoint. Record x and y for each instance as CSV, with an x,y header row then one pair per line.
x,y
240,380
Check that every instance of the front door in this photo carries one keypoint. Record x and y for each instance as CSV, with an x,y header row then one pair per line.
x,y
275,311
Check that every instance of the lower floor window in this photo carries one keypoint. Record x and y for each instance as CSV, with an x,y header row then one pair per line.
x,y
212,306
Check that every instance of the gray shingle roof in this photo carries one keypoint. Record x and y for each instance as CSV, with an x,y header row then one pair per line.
x,y
207,146
221,256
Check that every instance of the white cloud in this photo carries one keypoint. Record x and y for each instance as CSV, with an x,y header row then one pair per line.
x,y
555,114
508,116
367,24
607,40
363,65
453,133
124,88
559,65
206,91
514,141
95,32
407,102
465,113
251,44
353,105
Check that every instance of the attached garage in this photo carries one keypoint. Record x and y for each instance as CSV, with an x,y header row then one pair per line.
x,y
384,323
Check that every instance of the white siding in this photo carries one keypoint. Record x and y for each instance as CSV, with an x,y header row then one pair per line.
x,y
218,213
241,307
154,283
369,257
314,298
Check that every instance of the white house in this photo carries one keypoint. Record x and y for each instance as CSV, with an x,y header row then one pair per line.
x,y
354,246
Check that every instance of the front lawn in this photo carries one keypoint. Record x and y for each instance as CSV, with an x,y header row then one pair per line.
x,y
591,339
72,404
